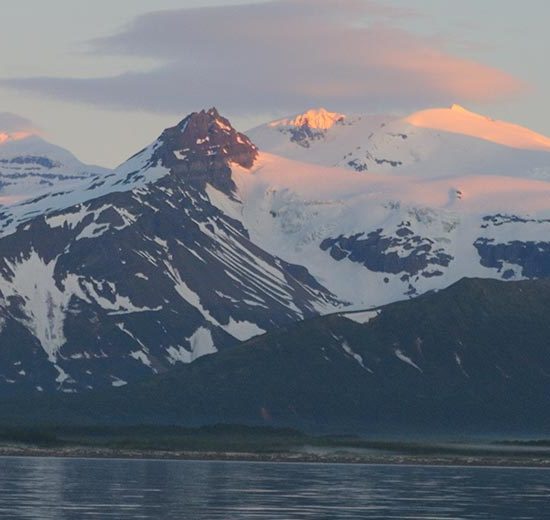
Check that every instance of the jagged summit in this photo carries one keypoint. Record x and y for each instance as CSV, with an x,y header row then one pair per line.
x,y
317,119
205,141
307,128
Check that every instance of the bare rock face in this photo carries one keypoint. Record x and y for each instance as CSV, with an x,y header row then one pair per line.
x,y
203,146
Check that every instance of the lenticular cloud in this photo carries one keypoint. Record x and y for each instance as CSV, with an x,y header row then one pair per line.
x,y
280,55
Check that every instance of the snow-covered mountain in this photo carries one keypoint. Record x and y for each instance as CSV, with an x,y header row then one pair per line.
x,y
431,143
372,239
29,166
203,240
128,275
440,195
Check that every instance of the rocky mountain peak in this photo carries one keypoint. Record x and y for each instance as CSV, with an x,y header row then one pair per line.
x,y
319,119
206,141
304,129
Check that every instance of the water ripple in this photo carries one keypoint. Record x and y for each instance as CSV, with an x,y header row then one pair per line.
x,y
67,489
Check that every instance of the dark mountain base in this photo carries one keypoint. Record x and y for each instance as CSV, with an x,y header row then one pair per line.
x,y
472,359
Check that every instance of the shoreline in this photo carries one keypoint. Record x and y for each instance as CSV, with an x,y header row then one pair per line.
x,y
85,452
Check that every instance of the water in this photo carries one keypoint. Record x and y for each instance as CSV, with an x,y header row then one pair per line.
x,y
33,488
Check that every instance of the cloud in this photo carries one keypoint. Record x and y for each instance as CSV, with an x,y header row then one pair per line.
x,y
279,56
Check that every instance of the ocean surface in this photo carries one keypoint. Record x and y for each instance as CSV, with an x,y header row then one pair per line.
x,y
46,488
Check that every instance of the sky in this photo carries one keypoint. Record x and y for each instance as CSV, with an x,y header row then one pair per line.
x,y
104,77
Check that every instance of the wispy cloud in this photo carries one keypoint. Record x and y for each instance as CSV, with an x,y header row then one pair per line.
x,y
279,56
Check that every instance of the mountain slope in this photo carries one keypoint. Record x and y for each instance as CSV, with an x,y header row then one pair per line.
x,y
473,358
131,274
430,144
201,241
458,120
374,238
29,166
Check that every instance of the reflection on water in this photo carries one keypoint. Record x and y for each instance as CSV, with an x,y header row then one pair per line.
x,y
131,489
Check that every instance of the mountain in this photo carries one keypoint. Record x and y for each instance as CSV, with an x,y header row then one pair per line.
x,y
29,166
131,273
374,238
431,143
202,241
472,358
383,208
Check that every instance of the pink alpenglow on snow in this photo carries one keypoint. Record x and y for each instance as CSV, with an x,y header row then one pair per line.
x,y
461,121
16,136
319,119
15,128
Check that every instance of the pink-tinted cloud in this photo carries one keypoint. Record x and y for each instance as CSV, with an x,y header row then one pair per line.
x,y
280,56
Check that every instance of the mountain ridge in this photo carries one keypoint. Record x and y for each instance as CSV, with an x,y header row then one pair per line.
x,y
429,143
138,270
31,166
201,241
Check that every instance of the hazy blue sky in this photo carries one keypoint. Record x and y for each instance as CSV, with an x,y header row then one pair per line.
x,y
104,85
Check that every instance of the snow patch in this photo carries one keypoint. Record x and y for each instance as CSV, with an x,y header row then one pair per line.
x,y
117,382
406,359
226,205
243,330
362,317
348,350
31,284
201,343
